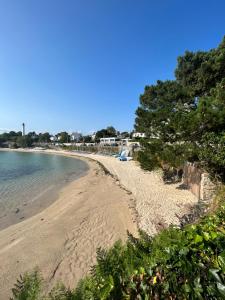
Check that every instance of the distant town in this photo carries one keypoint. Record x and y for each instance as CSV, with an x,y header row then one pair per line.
x,y
105,137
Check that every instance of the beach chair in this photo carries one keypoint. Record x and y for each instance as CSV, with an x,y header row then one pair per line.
x,y
118,154
124,156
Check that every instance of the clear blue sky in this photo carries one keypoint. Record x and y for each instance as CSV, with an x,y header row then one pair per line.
x,y
82,64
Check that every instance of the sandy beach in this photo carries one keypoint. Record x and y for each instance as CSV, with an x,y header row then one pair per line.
x,y
93,211
157,204
90,212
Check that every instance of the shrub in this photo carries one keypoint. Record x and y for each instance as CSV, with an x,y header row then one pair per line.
x,y
28,287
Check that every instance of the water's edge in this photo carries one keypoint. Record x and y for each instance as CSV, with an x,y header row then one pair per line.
x,y
44,199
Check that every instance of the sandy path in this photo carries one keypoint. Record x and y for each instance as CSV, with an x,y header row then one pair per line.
x,y
62,240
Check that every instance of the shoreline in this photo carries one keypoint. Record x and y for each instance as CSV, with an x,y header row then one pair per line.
x,y
157,205
90,212
77,155
36,204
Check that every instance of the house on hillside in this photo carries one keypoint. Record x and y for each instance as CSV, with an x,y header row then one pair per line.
x,y
138,135
93,135
75,136
109,141
53,138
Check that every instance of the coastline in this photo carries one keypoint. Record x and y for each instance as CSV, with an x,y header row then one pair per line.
x,y
90,212
27,208
157,205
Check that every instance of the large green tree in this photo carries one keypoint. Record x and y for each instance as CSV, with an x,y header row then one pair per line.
x,y
64,137
44,137
110,131
162,110
24,141
179,116
200,71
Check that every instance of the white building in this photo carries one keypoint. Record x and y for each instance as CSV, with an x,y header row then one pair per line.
x,y
53,138
138,135
93,135
109,141
126,142
75,136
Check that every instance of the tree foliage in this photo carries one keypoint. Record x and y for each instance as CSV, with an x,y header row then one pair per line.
x,y
179,115
64,137
44,137
200,71
24,141
110,131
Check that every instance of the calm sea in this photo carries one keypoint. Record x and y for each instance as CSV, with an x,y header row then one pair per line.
x,y
27,180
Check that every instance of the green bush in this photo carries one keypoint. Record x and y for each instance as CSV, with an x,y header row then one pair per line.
x,y
28,287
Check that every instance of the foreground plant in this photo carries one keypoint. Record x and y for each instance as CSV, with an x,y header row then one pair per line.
x,y
27,287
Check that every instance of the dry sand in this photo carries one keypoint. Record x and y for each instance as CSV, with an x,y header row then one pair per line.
x,y
90,212
157,204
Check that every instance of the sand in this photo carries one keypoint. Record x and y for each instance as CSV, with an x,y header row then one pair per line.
x,y
157,204
92,212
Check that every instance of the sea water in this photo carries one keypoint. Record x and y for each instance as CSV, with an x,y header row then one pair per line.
x,y
29,179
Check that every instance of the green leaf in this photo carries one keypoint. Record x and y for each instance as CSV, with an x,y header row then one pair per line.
x,y
221,260
214,272
107,288
213,235
141,270
187,288
221,289
150,271
198,239
184,251
206,236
